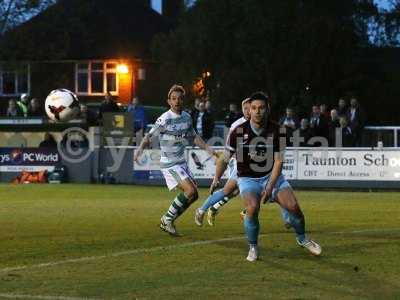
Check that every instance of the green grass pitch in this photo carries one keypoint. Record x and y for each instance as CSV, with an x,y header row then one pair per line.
x,y
75,242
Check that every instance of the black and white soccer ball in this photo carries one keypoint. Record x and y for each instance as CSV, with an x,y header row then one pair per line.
x,y
62,105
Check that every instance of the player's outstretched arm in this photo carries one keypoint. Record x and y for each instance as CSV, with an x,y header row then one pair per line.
x,y
221,165
144,143
154,131
199,142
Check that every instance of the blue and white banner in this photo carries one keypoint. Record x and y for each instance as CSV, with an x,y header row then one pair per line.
x,y
148,161
148,166
202,164
28,159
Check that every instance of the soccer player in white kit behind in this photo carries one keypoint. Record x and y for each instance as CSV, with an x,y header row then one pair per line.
x,y
230,190
173,128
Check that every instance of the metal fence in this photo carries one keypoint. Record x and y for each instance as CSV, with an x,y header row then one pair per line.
x,y
381,136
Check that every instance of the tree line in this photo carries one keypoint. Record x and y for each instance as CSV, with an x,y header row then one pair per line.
x,y
302,52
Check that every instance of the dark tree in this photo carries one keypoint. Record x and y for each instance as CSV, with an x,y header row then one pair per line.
x,y
298,51
15,12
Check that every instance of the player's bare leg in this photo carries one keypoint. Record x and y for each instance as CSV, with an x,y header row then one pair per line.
x,y
182,201
287,199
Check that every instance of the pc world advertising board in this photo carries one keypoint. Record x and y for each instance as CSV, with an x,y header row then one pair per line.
x,y
28,159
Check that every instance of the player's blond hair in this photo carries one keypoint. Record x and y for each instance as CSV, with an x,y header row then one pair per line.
x,y
176,88
247,100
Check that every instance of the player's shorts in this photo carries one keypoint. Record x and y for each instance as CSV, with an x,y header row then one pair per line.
x,y
176,174
232,171
257,186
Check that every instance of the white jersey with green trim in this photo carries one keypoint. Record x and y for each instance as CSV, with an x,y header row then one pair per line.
x,y
173,131
232,161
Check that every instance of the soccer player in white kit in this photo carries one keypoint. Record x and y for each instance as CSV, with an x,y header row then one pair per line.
x,y
173,128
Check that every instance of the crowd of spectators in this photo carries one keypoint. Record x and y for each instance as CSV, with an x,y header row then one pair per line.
x,y
341,126
336,126
24,107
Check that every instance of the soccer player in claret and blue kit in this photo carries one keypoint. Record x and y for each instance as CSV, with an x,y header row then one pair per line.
x,y
259,156
221,197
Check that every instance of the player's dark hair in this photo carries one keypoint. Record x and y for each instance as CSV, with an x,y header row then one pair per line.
x,y
263,97
259,96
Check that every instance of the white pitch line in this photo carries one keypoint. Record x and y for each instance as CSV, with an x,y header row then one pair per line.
x,y
367,230
40,297
117,254
158,248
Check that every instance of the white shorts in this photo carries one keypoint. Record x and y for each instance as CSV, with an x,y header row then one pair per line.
x,y
232,170
176,174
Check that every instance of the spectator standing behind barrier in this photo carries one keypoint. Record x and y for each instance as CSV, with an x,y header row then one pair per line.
x,y
108,105
289,120
347,134
290,123
75,140
13,109
318,124
209,108
203,123
305,132
324,111
211,111
356,118
195,108
232,115
23,104
87,115
139,115
48,142
35,109
342,107
333,125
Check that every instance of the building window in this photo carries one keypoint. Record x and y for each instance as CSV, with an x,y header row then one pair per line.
x,y
14,81
96,78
